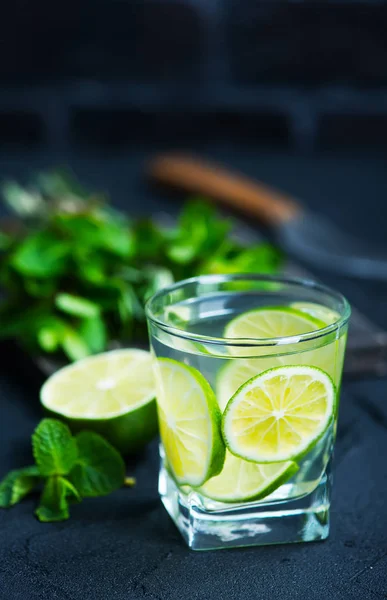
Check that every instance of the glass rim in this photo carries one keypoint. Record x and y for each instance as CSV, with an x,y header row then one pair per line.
x,y
249,342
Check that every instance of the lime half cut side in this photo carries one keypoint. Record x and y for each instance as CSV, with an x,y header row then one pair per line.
x,y
243,481
190,423
112,393
280,414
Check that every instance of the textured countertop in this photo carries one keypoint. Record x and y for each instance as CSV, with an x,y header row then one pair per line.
x,y
125,546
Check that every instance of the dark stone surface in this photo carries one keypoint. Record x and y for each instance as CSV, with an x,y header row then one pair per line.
x,y
125,546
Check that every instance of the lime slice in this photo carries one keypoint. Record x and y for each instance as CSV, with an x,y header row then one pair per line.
x,y
328,357
234,374
280,414
244,481
190,423
271,322
111,393
317,311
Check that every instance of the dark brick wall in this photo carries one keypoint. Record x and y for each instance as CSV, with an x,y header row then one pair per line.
x,y
309,43
303,42
296,73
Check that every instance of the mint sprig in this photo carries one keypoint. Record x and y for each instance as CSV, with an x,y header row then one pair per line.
x,y
68,467
17,484
54,448
76,273
99,469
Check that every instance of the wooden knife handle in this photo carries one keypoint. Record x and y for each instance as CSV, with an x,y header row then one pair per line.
x,y
236,191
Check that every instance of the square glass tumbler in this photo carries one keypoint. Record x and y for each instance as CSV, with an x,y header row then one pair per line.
x,y
248,371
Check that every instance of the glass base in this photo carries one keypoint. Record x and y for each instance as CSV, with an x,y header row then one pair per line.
x,y
303,519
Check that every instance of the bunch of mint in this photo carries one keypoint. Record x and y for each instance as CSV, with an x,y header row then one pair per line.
x,y
76,273
68,468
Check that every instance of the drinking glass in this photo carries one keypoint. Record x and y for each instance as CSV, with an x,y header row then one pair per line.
x,y
191,351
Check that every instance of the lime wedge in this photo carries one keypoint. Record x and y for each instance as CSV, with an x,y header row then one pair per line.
x,y
280,414
317,311
244,481
111,393
190,423
271,322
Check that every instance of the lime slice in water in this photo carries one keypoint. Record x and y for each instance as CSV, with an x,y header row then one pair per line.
x,y
271,322
265,323
280,414
317,311
190,423
111,393
244,481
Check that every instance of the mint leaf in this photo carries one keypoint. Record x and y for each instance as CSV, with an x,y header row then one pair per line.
x,y
50,332
54,448
74,345
41,255
100,469
77,306
54,502
199,233
93,331
117,238
48,339
72,493
17,484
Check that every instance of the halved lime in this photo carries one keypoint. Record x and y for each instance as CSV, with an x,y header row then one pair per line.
x,y
271,322
190,422
244,481
317,311
280,414
111,393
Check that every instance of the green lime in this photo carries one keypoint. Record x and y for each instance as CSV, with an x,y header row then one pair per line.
x,y
244,481
328,357
271,322
111,393
317,311
280,414
190,422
